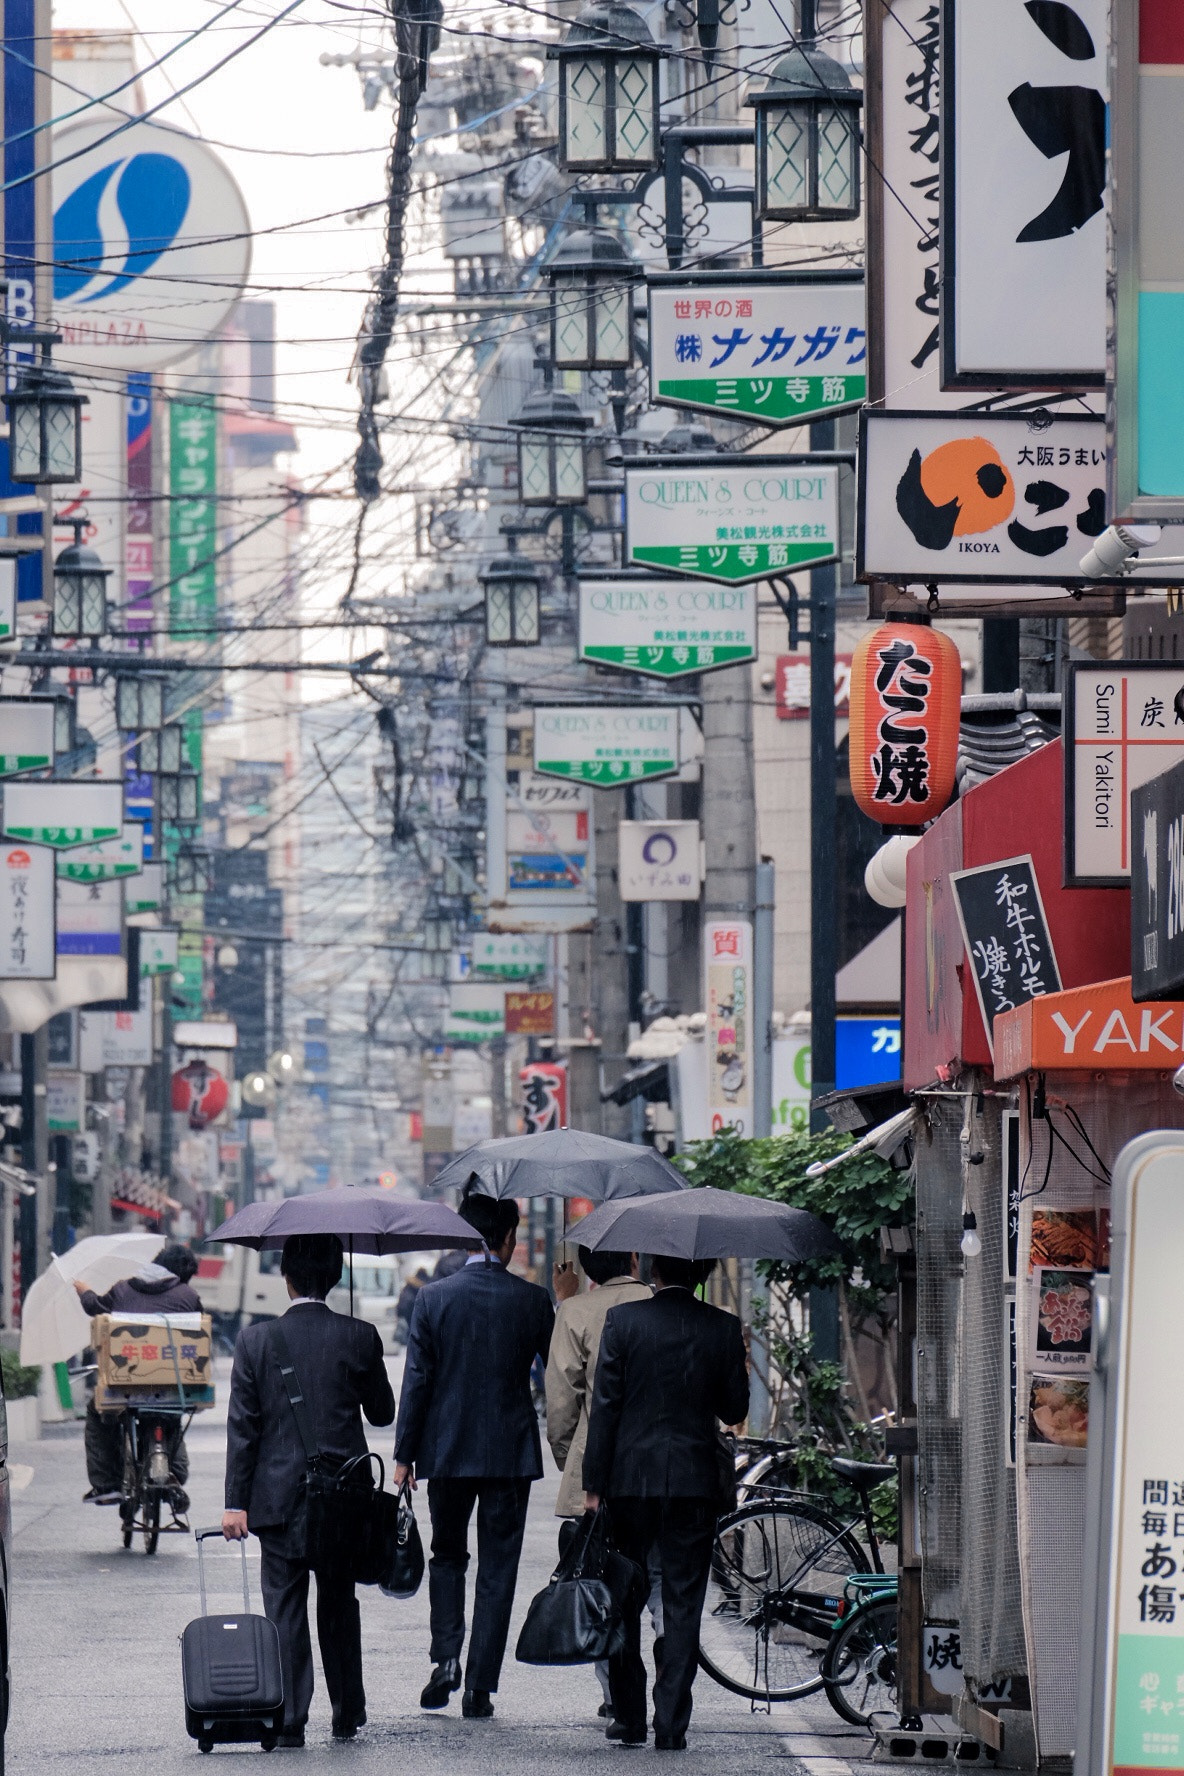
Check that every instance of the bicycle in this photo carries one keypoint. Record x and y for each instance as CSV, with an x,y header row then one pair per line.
x,y
777,1588
859,1664
147,1442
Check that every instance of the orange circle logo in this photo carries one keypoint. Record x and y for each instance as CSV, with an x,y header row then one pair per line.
x,y
18,860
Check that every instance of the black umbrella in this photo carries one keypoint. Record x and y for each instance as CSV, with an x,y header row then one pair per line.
x,y
371,1221
708,1223
561,1162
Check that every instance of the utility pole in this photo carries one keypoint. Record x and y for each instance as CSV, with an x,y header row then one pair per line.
x,y
823,813
610,979
36,1222
729,794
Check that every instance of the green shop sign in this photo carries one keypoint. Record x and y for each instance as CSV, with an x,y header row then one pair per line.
x,y
732,523
666,628
606,746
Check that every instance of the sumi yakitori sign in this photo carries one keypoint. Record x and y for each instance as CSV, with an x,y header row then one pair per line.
x,y
732,521
787,348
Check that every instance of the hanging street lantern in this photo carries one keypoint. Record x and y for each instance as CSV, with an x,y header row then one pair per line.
x,y
45,425
80,589
807,140
591,280
608,91
139,702
552,457
906,705
511,585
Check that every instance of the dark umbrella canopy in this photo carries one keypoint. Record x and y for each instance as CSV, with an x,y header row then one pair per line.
x,y
707,1223
371,1222
561,1162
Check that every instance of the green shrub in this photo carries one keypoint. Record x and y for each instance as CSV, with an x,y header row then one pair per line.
x,y
21,1380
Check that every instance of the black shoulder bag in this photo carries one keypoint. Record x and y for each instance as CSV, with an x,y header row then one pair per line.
x,y
343,1521
577,1619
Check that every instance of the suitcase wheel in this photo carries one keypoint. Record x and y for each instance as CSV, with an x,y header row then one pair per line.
x,y
205,1745
267,1744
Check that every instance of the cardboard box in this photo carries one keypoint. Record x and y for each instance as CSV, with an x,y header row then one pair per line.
x,y
151,1353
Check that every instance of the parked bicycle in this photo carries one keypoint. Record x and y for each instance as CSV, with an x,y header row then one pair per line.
x,y
778,1597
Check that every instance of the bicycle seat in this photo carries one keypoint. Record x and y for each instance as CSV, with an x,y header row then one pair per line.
x,y
863,1475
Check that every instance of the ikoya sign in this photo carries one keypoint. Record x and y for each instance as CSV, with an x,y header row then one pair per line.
x,y
1089,1029
606,746
665,628
63,814
784,350
1124,724
905,705
731,519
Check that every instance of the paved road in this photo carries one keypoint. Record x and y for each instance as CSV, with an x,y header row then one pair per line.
x,y
96,1665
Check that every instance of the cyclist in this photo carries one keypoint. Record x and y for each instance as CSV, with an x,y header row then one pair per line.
x,y
158,1294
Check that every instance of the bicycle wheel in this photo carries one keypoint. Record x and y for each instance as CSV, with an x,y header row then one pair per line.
x,y
859,1667
150,1518
776,1581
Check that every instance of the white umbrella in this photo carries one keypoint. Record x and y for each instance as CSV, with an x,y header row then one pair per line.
x,y
54,1323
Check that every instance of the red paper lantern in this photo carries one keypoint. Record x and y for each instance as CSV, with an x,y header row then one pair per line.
x,y
199,1093
906,702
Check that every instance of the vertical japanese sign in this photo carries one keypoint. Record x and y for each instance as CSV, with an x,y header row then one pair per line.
x,y
139,535
1024,142
27,913
1006,936
544,1096
26,223
727,980
193,514
1123,726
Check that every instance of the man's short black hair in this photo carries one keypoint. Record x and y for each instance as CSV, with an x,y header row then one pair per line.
x,y
682,1273
178,1260
602,1267
493,1217
313,1262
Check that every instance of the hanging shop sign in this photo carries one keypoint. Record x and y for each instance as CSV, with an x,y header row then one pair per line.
x,y
158,951
152,244
731,520
90,918
26,734
476,1013
109,860
727,981
1006,936
530,1014
139,531
906,701
193,514
606,746
1124,724
990,496
145,893
1157,886
8,579
792,685
63,814
542,879
1019,225
1090,1029
544,1096
666,628
65,1103
508,956
659,859
28,927
438,1112
786,349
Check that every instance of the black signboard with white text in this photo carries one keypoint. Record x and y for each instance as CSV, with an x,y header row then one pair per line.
x,y
1006,935
1157,886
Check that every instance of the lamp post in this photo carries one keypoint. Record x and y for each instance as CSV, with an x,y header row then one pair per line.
x,y
552,455
80,589
44,419
608,91
511,584
591,279
807,139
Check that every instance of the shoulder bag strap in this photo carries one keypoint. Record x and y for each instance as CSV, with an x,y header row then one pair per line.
x,y
295,1393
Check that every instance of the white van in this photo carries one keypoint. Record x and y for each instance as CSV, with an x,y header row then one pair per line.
x,y
377,1285
238,1285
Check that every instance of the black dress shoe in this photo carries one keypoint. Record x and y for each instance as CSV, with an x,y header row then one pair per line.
x,y
621,1734
605,1711
348,1729
443,1681
476,1705
665,1742
291,1741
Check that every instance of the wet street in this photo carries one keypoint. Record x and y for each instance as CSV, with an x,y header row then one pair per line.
x,y
96,1662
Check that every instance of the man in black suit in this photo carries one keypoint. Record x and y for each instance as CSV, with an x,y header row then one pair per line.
x,y
670,1368
340,1372
467,1424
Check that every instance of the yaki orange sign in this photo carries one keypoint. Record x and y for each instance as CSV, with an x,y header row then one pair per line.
x,y
1092,1029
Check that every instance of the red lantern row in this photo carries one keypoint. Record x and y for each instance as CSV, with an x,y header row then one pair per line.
x,y
906,702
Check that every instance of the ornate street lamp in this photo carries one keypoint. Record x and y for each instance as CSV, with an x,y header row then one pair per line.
x,y
591,280
80,589
608,92
44,420
178,799
139,702
807,140
511,585
552,458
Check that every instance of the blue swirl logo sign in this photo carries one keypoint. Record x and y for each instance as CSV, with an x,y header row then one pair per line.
x,y
151,245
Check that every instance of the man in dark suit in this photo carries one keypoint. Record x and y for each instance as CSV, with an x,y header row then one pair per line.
x,y
340,1372
670,1369
467,1424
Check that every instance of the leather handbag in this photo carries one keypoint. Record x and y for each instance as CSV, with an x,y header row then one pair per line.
x,y
403,1574
576,1620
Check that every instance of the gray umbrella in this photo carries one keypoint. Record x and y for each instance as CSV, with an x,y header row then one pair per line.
x,y
374,1222
561,1162
707,1223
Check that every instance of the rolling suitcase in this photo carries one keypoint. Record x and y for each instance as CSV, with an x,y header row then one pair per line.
x,y
230,1665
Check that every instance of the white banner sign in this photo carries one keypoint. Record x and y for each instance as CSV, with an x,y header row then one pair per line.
x,y
90,918
606,746
109,860
743,522
26,735
7,597
1024,233
1122,728
727,981
124,1037
27,913
158,951
982,496
665,628
65,1103
63,814
783,350
475,1013
508,955
659,859
145,893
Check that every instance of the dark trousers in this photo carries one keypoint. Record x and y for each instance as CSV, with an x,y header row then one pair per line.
x,y
339,1630
501,1520
102,1438
683,1531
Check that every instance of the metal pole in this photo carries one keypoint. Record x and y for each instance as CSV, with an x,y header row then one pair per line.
x,y
762,999
823,813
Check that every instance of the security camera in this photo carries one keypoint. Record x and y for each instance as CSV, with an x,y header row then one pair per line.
x,y
1112,552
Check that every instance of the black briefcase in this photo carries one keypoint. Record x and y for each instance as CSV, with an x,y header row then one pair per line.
x,y
230,1668
577,1620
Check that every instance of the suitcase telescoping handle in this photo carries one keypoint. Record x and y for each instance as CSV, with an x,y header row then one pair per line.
x,y
199,1536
